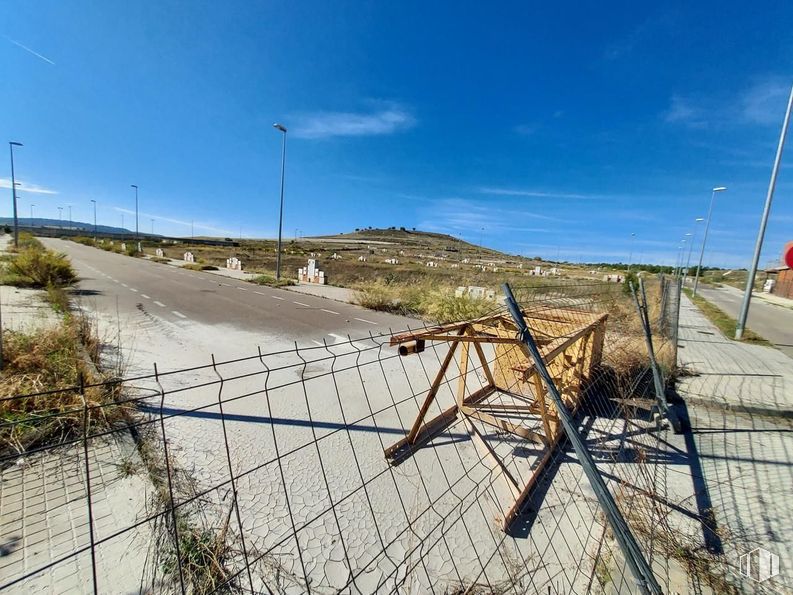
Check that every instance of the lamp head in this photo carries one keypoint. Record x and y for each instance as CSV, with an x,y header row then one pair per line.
x,y
280,127
13,143
699,219
719,189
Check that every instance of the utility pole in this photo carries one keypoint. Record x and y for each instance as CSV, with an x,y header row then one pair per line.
x,y
136,210
13,144
93,201
705,239
282,128
747,296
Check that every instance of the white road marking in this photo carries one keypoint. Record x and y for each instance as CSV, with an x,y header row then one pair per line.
x,y
329,311
338,337
260,293
160,304
301,304
133,289
317,343
242,289
143,295
225,285
124,285
179,314
275,297
366,321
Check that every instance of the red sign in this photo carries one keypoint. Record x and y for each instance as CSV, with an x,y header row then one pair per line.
x,y
787,254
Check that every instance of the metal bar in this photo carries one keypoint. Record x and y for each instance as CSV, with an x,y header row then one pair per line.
x,y
88,484
502,424
747,296
639,567
170,482
433,390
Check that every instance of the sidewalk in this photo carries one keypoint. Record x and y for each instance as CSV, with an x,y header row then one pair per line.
x,y
726,374
738,452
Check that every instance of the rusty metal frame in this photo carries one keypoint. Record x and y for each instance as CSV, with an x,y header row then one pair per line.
x,y
573,349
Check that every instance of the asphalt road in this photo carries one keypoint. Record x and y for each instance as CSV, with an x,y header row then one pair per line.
x,y
116,283
771,321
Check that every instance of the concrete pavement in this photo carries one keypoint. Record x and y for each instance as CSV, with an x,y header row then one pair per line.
x,y
739,400
772,321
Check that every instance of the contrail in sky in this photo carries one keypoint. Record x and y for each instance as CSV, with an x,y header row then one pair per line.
x,y
27,49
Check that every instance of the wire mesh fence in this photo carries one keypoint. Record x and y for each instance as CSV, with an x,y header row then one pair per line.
x,y
425,460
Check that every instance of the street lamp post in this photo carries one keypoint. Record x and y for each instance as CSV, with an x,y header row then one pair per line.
x,y
93,201
70,215
691,246
136,210
60,216
747,295
705,238
152,227
630,254
31,214
282,128
11,145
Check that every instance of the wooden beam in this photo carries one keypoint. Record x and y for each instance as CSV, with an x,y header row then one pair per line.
x,y
488,452
433,390
503,424
399,451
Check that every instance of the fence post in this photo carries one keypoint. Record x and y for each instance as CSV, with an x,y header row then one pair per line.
x,y
641,570
86,429
678,291
658,381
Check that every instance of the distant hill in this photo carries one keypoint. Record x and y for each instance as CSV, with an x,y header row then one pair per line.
x,y
75,225
403,235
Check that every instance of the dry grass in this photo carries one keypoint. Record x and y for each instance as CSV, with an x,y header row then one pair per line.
x,y
54,361
34,266
438,305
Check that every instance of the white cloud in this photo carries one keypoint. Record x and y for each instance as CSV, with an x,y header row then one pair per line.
x,y
25,187
388,120
536,193
764,102
194,224
27,49
684,111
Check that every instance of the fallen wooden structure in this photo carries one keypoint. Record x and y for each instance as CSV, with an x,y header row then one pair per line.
x,y
511,396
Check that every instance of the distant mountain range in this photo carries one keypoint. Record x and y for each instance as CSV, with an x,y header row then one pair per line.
x,y
74,225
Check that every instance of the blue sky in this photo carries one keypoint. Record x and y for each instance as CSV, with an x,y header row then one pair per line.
x,y
559,129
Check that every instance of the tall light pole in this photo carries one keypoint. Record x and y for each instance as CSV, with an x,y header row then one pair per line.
x,y
705,239
11,145
152,227
136,210
282,128
693,235
31,214
122,222
93,201
60,216
70,215
747,295
630,254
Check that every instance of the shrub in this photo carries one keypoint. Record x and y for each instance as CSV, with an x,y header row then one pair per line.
x,y
271,281
196,266
37,267
51,359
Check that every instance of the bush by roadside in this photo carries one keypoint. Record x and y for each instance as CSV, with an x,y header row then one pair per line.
x,y
271,281
35,266
427,302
